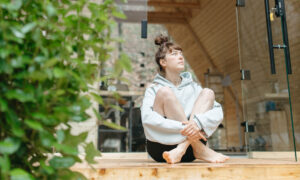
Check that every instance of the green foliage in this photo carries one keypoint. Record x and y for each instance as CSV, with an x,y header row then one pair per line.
x,y
44,72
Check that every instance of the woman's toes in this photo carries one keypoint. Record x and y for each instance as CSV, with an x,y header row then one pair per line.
x,y
166,156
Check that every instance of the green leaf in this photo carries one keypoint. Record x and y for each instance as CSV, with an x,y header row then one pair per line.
x,y
70,175
58,72
9,145
20,95
97,98
91,152
18,131
50,10
28,27
46,168
97,114
113,125
46,138
17,33
62,162
125,62
40,59
47,120
124,79
15,5
116,107
4,163
38,75
74,140
60,135
50,63
20,174
3,105
14,123
118,14
34,124
66,149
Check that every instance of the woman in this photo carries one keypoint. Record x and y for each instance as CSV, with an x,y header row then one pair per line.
x,y
177,114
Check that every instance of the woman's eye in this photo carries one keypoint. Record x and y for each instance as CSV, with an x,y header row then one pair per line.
x,y
176,53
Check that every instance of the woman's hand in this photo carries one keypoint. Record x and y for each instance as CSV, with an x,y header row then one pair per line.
x,y
192,131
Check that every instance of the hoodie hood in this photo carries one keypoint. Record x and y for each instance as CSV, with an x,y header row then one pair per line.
x,y
186,80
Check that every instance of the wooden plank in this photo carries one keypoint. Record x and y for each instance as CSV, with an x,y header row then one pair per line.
x,y
122,93
234,168
282,172
268,96
274,155
278,96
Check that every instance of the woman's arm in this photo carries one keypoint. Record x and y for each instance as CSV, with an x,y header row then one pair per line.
x,y
210,120
156,127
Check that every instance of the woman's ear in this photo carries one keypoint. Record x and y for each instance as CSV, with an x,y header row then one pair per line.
x,y
163,62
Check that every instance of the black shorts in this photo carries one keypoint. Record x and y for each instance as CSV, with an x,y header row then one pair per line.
x,y
155,150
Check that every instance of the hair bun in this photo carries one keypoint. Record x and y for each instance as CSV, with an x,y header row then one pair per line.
x,y
160,39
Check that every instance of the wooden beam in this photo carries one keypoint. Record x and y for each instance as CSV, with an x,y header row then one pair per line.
x,y
174,15
154,20
190,5
154,17
167,4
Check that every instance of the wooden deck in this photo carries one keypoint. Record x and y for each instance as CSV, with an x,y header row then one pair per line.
x,y
130,166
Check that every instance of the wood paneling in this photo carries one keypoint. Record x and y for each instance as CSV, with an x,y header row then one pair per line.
x,y
215,27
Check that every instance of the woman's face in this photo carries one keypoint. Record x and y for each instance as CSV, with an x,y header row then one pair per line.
x,y
173,61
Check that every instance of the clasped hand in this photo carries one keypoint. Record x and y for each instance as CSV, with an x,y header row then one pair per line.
x,y
192,131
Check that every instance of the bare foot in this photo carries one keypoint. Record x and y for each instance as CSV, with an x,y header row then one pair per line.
x,y
173,156
203,152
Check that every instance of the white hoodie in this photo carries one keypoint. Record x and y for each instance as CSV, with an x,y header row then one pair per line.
x,y
167,131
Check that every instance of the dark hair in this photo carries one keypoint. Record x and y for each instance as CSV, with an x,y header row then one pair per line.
x,y
164,47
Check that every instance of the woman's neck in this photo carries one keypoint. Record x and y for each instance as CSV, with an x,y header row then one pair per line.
x,y
173,77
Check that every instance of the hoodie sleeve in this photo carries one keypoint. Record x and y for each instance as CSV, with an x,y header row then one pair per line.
x,y
210,120
156,127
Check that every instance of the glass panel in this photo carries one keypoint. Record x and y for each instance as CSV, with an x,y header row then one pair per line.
x,y
266,100
128,86
293,26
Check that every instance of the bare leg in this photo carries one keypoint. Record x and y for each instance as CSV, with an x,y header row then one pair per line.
x,y
204,103
167,105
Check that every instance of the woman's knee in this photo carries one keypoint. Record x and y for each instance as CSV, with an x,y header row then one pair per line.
x,y
208,93
166,93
